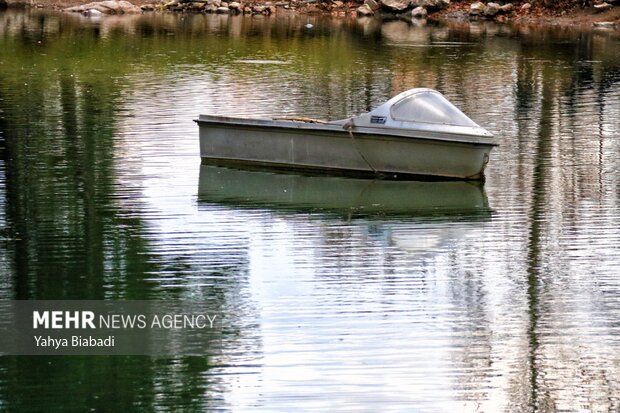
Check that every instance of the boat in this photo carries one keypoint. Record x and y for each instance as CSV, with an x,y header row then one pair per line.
x,y
416,134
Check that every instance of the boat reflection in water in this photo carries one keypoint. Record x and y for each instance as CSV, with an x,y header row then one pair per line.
x,y
335,194
415,216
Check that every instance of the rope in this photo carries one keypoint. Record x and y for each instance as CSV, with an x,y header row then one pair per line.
x,y
300,119
349,127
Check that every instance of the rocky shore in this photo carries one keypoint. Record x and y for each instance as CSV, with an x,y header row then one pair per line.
x,y
604,13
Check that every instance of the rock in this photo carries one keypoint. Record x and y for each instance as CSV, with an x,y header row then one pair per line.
x,y
259,9
210,8
222,10
120,7
364,10
396,5
216,3
419,12
107,7
338,3
235,6
198,6
507,8
271,9
92,13
477,9
492,9
374,6
458,15
602,7
247,10
223,4
526,7
148,7
431,4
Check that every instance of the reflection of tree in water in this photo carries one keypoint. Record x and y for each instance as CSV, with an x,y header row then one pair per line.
x,y
564,90
562,180
72,231
61,194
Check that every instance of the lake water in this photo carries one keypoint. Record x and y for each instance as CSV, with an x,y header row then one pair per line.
x,y
347,295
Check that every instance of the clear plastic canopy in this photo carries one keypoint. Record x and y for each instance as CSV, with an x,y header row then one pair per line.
x,y
429,107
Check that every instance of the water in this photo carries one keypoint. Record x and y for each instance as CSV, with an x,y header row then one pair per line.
x,y
346,294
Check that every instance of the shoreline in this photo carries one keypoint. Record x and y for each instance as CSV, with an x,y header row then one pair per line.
x,y
520,11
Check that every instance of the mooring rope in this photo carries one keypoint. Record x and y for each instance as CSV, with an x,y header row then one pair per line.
x,y
300,119
348,125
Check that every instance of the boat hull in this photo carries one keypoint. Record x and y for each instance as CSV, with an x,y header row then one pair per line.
x,y
331,149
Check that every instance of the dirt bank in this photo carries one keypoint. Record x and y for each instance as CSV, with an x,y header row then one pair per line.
x,y
536,14
563,14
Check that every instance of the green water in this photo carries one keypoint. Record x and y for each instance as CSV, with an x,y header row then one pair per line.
x,y
345,294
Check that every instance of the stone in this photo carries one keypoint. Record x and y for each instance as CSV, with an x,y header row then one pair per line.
x,y
259,9
395,5
477,9
216,3
419,12
338,3
492,9
458,15
374,6
364,10
92,13
223,4
526,7
107,7
222,10
148,7
120,7
431,4
235,6
602,7
210,8
247,10
507,8
271,9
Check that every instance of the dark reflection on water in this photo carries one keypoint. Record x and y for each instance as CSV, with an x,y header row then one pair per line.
x,y
346,294
347,196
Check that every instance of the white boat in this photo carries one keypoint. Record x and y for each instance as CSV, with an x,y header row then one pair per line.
x,y
417,133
